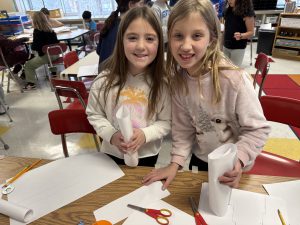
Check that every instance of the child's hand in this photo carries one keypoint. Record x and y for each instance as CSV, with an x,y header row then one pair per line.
x,y
167,173
237,36
137,140
232,178
118,140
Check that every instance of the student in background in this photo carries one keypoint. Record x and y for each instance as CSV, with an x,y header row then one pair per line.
x,y
53,22
162,11
134,77
42,35
90,24
239,27
213,102
109,32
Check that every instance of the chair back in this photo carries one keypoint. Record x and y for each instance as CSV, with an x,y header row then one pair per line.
x,y
55,49
100,26
96,39
71,89
70,58
282,110
262,67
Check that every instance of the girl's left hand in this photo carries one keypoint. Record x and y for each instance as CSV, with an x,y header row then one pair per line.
x,y
237,36
232,178
137,140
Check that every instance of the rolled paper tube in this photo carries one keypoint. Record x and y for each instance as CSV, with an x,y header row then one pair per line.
x,y
15,211
131,159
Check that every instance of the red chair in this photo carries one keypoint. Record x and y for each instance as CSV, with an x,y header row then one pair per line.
x,y
68,121
262,67
100,26
70,58
286,111
91,45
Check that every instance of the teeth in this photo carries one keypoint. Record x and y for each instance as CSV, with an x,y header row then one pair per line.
x,y
186,56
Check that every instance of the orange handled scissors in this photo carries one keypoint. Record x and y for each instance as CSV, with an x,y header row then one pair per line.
x,y
159,215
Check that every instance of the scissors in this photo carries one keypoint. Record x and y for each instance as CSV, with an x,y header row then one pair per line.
x,y
198,218
158,215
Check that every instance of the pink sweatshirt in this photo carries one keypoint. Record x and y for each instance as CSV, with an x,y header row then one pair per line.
x,y
199,126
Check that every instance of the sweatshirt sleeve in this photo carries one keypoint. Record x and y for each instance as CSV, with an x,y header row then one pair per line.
x,y
162,124
254,129
183,132
96,112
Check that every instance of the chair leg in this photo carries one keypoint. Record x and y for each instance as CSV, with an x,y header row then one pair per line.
x,y
64,145
6,147
4,107
251,51
96,142
12,76
2,79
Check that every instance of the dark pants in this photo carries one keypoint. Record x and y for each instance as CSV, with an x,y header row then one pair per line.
x,y
195,161
148,161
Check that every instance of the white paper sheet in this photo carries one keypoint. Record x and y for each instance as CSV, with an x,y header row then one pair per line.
x,y
220,161
61,182
245,208
125,125
61,29
118,210
178,217
15,211
87,70
290,192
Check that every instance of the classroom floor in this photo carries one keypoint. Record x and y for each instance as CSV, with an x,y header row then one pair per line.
x,y
29,134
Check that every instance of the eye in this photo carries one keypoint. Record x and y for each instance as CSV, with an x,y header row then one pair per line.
x,y
197,36
177,36
150,38
131,37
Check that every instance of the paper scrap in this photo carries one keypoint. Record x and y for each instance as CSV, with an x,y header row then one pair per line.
x,y
117,210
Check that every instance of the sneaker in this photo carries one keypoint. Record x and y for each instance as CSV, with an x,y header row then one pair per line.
x,y
29,86
2,111
22,76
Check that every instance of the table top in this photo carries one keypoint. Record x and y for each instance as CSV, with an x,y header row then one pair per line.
x,y
90,59
71,34
184,185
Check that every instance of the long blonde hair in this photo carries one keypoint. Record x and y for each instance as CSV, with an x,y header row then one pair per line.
x,y
213,55
40,22
117,63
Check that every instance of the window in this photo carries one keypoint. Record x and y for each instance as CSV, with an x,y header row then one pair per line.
x,y
99,8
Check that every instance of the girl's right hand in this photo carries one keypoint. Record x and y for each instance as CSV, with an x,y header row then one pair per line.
x,y
118,140
167,173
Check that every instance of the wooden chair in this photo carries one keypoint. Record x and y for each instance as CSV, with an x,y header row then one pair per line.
x,y
68,121
286,111
262,68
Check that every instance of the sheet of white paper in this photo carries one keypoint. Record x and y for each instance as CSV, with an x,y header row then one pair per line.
x,y
118,210
178,217
289,191
245,208
87,70
61,29
220,161
15,211
63,181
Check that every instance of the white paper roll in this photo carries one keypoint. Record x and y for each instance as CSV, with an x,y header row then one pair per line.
x,y
220,161
14,211
125,125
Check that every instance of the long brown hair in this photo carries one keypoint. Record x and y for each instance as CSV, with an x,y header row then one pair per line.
x,y
213,55
40,22
117,65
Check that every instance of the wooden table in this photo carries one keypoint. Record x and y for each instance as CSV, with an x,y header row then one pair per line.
x,y
185,184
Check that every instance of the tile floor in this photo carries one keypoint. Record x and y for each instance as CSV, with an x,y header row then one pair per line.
x,y
29,134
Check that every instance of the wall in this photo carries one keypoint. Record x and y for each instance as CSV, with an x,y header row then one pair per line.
x,y
8,5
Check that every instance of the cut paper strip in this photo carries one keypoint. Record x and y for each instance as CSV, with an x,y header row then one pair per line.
x,y
178,217
56,184
118,210
125,125
246,208
289,191
15,211
220,161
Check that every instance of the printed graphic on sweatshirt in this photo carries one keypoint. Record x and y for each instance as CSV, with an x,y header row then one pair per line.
x,y
136,100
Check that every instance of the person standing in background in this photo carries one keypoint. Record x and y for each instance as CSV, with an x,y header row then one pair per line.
x,y
162,11
239,27
109,32
89,23
53,22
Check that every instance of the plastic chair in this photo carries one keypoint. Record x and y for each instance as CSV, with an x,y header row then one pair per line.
x,y
92,45
11,74
262,67
57,49
99,26
70,58
68,121
281,110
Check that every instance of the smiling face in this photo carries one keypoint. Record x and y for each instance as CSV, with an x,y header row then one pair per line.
x,y
189,43
140,45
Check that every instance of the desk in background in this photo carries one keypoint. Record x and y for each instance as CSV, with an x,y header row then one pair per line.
x,y
184,185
